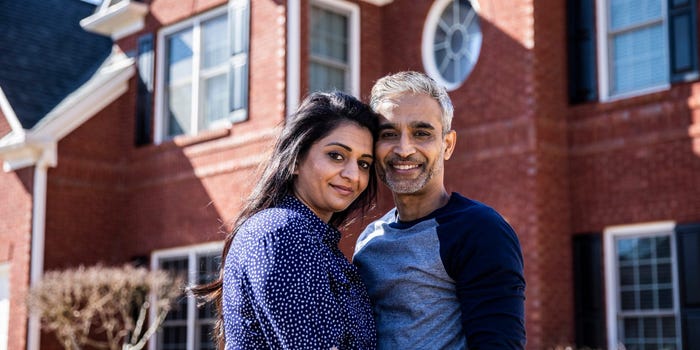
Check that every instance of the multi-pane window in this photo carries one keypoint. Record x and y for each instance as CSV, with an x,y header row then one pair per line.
x,y
188,327
333,50
204,71
451,42
637,40
643,299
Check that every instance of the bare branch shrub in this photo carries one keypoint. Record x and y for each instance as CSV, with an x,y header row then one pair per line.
x,y
103,307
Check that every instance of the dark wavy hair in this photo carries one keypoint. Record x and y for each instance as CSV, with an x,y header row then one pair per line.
x,y
318,115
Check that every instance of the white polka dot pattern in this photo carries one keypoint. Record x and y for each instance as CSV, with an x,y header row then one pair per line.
x,y
288,286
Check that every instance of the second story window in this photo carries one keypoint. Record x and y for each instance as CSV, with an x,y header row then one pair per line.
x,y
334,46
203,66
645,45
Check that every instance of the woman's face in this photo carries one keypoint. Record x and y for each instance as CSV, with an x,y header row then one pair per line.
x,y
335,170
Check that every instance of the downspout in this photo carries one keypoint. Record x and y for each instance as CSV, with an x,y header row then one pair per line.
x,y
46,159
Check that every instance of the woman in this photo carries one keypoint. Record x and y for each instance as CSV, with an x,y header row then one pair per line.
x,y
284,283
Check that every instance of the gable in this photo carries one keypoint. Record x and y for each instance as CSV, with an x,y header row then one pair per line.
x,y
46,54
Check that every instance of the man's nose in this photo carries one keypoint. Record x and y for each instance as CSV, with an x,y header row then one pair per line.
x,y
405,146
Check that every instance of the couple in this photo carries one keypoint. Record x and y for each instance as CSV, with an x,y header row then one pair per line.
x,y
439,271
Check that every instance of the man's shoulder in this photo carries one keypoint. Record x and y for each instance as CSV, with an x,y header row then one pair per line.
x,y
462,208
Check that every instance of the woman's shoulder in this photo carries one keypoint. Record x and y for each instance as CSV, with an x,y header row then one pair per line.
x,y
272,220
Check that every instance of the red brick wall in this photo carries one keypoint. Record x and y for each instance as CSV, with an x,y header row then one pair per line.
x,y
15,245
632,161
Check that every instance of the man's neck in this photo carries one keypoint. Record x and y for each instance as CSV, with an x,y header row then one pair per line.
x,y
417,205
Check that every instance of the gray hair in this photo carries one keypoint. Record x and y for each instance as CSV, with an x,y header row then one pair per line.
x,y
413,82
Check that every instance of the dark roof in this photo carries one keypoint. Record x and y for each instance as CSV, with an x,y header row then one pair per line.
x,y
45,54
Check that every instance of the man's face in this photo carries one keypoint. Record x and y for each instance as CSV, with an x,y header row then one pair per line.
x,y
411,148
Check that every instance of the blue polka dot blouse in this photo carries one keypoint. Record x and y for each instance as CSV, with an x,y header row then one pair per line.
x,y
288,286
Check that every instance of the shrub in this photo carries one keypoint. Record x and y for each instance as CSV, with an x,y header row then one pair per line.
x,y
103,307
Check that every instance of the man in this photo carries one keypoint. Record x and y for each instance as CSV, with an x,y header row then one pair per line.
x,y
442,271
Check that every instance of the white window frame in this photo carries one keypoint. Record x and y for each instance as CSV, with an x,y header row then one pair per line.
x,y
4,305
652,229
604,58
352,11
191,252
428,38
160,134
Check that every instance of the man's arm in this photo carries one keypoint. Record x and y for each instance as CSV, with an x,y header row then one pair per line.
x,y
483,256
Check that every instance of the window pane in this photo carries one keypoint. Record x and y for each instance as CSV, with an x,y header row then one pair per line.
x,y
178,266
215,91
624,13
646,299
179,109
628,300
214,43
329,34
626,275
324,78
665,298
663,247
180,54
663,272
645,274
626,249
239,90
179,78
173,338
638,60
239,27
207,271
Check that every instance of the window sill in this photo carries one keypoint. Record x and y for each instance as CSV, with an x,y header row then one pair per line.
x,y
201,137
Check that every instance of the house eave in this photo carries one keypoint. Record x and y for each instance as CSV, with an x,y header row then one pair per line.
x,y
38,145
117,21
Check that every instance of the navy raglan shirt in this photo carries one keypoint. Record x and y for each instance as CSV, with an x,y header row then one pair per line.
x,y
451,280
288,286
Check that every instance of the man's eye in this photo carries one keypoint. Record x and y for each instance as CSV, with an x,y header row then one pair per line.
x,y
387,134
422,133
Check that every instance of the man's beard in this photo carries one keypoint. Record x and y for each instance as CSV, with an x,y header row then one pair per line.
x,y
408,186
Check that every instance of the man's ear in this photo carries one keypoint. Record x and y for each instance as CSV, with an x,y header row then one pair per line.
x,y
450,141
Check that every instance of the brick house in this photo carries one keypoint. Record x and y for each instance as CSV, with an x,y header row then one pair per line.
x,y
575,119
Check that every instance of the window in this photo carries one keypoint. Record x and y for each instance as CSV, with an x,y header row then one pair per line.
x,y
451,42
203,72
644,45
186,326
4,305
642,296
334,44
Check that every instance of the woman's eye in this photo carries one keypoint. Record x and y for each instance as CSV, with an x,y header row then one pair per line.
x,y
335,156
365,165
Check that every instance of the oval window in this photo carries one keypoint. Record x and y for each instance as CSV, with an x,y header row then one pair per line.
x,y
451,42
